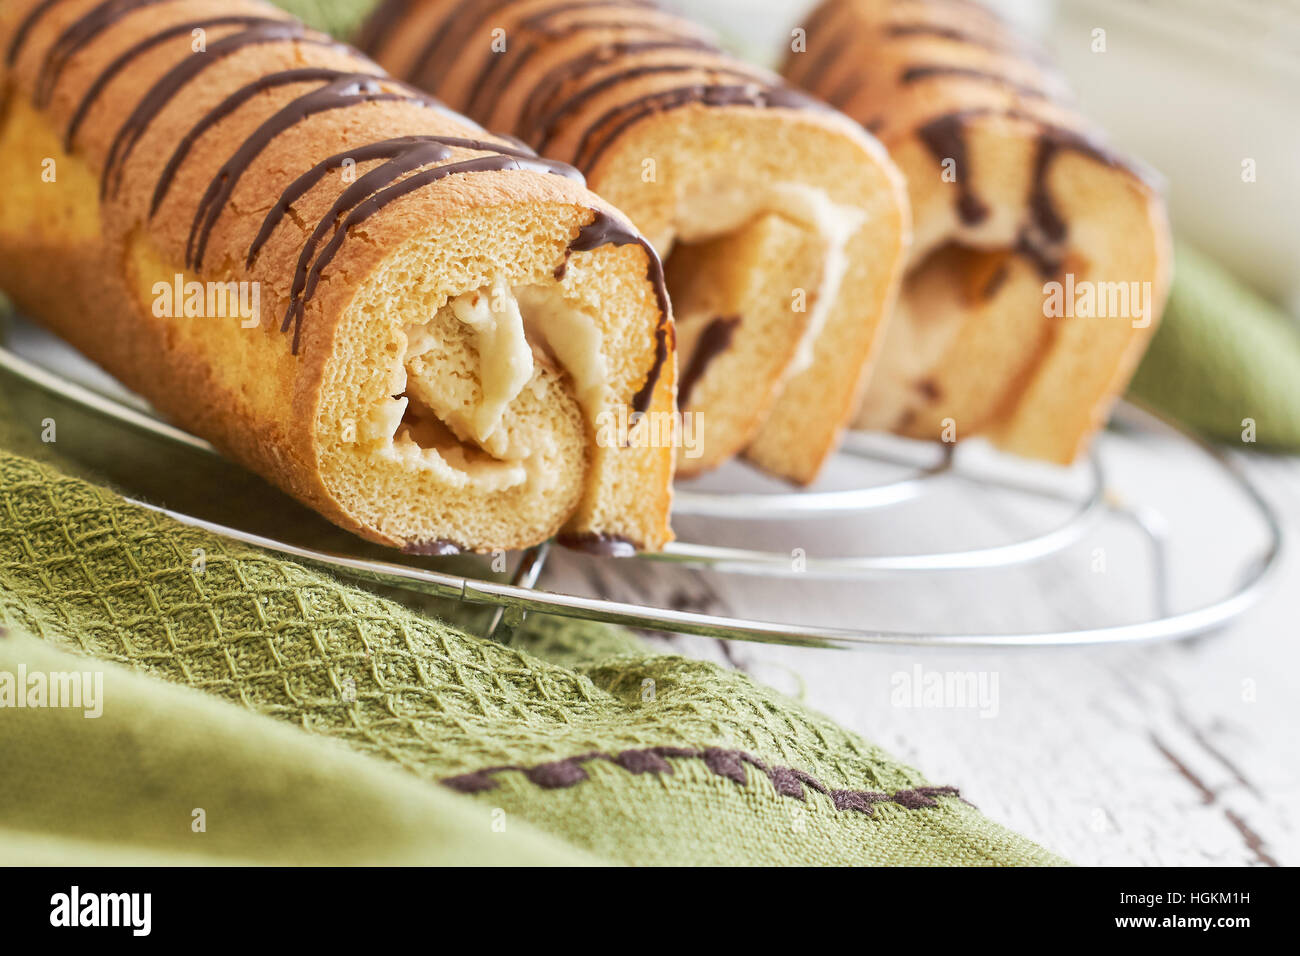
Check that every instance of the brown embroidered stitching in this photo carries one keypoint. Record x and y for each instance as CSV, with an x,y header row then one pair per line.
x,y
787,782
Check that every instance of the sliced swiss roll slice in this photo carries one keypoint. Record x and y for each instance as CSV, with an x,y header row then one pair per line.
x,y
418,328
1041,259
781,222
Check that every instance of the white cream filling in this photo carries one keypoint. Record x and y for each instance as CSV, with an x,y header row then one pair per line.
x,y
702,217
453,467
512,329
505,360
574,339
386,418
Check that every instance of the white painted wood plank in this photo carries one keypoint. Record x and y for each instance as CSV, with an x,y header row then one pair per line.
x,y
1170,755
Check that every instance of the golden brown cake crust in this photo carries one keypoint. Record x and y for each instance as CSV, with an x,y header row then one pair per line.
x,y
179,130
663,122
1011,191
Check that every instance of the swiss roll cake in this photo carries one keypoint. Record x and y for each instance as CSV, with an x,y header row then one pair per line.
x,y
418,328
1041,259
781,222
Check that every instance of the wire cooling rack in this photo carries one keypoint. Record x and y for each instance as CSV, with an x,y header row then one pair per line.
x,y
1091,500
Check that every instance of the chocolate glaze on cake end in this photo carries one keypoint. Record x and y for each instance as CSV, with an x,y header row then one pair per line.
x,y
925,36
439,548
1044,235
606,230
945,137
600,544
713,341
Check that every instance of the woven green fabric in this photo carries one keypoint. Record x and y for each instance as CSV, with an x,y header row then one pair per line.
x,y
93,575
168,775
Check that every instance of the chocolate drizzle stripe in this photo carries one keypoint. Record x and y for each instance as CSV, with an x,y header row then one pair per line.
x,y
488,80
124,59
629,114
605,230
1045,233
915,74
548,125
585,26
349,89
847,89
729,764
452,34
548,88
166,89
379,26
385,149
937,31
378,201
225,108
1042,240
798,64
500,69
34,16
75,37
713,341
824,63
404,159
945,137
552,99
1046,218
540,17
933,30
489,83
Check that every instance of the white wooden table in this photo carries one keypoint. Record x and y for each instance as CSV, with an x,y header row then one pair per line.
x,y
1163,755
1136,755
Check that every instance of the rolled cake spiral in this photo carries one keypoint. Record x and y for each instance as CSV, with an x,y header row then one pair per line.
x,y
1041,260
782,225
447,316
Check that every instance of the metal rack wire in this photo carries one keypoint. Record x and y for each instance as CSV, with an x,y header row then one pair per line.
x,y
521,595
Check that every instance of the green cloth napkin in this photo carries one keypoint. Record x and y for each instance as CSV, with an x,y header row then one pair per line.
x,y
169,775
1223,355
339,17
303,695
